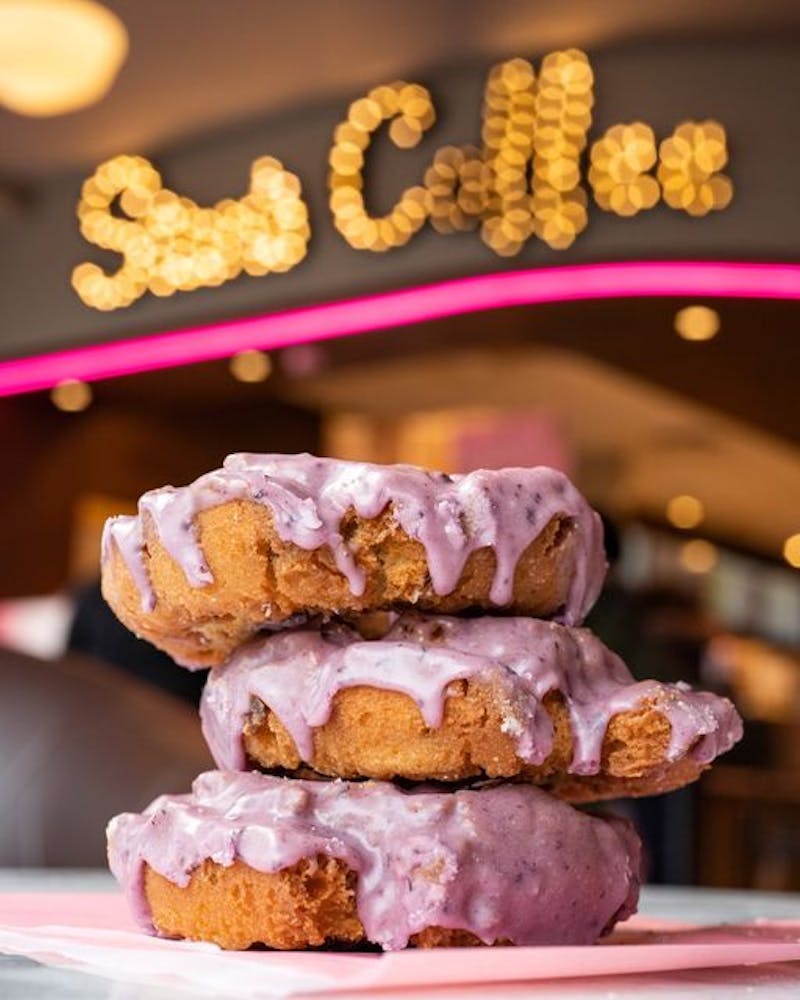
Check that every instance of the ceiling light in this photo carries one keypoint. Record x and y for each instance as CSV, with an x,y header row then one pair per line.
x,y
697,323
698,556
251,366
58,55
685,511
791,550
71,395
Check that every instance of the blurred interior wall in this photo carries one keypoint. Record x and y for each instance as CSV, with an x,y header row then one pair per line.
x,y
59,468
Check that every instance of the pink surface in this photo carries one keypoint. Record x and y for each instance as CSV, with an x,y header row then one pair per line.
x,y
92,932
511,439
623,279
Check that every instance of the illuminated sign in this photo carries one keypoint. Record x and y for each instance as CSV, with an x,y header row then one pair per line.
x,y
168,243
524,180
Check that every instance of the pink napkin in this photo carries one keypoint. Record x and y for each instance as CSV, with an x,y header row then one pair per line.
x,y
93,933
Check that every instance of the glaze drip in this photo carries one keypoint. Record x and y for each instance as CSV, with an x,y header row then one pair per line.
x,y
126,533
298,674
506,863
451,516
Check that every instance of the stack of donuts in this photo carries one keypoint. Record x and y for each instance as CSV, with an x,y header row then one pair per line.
x,y
402,707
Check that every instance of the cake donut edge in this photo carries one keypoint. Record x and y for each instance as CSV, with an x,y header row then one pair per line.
x,y
506,864
266,538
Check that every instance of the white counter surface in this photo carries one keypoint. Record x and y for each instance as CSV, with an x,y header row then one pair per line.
x,y
21,979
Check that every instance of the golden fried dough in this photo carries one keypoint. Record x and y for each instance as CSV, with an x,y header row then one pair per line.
x,y
310,904
248,857
260,579
381,734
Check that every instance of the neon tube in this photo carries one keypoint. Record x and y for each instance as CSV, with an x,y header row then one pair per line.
x,y
637,279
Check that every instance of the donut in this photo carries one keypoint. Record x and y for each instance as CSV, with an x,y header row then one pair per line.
x,y
450,699
267,538
251,859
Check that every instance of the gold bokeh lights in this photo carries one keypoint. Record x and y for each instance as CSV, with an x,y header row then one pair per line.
x,y
250,366
526,178
697,323
458,182
618,174
563,115
71,395
690,161
509,118
169,243
791,550
685,511
698,556
525,128
410,109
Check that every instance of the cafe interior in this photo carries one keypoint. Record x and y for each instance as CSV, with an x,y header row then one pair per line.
x,y
269,227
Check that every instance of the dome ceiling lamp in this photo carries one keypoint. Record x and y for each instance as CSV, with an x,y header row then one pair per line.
x,y
58,56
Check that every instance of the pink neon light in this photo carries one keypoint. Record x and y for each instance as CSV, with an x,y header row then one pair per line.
x,y
638,279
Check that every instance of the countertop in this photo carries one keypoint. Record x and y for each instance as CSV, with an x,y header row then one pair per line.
x,y
21,979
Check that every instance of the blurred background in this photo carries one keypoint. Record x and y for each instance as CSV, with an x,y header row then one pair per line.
x,y
676,415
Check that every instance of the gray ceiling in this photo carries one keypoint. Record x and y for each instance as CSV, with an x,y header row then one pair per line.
x,y
197,64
